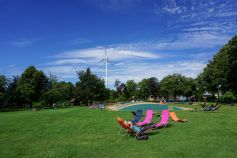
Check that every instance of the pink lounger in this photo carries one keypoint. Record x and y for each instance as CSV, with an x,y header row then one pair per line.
x,y
164,120
147,120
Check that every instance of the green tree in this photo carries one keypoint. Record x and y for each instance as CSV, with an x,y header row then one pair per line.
x,y
228,97
220,72
153,85
148,87
14,98
121,91
201,87
32,84
171,85
51,95
58,91
177,84
117,84
189,87
131,89
113,95
3,87
143,89
232,65
90,87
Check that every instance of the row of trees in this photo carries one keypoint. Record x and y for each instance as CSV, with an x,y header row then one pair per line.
x,y
136,91
169,87
33,86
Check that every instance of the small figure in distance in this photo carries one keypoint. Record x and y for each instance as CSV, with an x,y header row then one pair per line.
x,y
101,106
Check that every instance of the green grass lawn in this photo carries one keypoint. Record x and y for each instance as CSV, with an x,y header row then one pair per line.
x,y
83,132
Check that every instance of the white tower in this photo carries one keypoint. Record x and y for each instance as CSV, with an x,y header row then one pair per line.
x,y
106,59
106,69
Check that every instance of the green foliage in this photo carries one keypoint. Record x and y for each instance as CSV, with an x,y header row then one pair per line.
x,y
14,98
131,88
201,87
32,84
122,93
176,84
3,87
143,89
58,91
112,95
148,87
90,87
153,85
221,72
228,97
189,86
3,83
232,64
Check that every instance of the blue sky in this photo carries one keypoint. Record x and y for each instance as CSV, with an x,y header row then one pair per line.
x,y
144,38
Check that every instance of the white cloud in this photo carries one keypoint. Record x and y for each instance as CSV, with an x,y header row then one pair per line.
x,y
133,70
11,70
142,59
200,30
96,54
138,71
171,7
182,41
61,70
66,62
210,15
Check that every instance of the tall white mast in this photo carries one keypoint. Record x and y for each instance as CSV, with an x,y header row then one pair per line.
x,y
106,70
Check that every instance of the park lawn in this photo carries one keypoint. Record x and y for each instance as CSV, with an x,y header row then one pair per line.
x,y
82,132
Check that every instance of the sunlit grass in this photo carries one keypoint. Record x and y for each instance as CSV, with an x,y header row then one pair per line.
x,y
83,132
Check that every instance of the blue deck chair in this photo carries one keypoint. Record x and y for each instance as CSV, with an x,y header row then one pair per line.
x,y
137,117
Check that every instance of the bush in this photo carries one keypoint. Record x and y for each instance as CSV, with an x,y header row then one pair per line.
x,y
63,104
37,106
228,97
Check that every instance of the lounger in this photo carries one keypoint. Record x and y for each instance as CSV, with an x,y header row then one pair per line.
x,y
137,117
128,130
125,128
176,119
164,120
216,108
134,113
212,108
148,119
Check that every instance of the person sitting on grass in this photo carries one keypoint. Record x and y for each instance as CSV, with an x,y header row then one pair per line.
x,y
101,106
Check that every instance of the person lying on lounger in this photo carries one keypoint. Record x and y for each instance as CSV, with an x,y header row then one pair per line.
x,y
137,129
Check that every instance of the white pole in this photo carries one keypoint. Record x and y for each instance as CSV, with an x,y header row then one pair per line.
x,y
106,70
